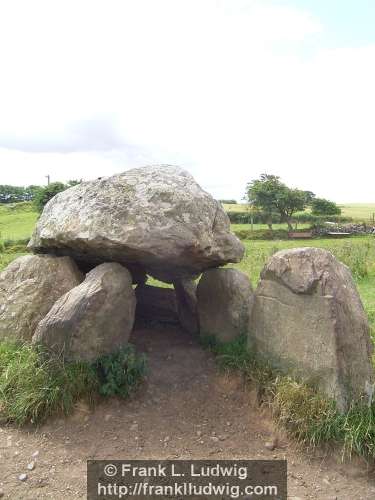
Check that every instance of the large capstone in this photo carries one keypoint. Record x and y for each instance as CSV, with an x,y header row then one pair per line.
x,y
308,319
93,319
225,299
29,287
155,220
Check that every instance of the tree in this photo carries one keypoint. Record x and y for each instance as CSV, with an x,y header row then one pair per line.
x,y
321,206
261,195
31,191
44,194
272,196
12,194
39,194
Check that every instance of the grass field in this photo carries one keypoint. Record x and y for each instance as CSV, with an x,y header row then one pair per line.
x,y
17,221
364,211
359,211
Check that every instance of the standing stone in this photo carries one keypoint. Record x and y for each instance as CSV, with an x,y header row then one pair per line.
x,y
225,298
186,297
308,319
94,318
29,287
156,219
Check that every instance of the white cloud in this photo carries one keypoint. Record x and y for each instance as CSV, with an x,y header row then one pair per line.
x,y
93,87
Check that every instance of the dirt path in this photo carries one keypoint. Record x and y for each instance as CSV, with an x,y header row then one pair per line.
x,y
187,409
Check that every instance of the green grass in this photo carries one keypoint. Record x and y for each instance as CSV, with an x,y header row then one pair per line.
x,y
6,258
11,250
17,221
366,288
307,415
35,385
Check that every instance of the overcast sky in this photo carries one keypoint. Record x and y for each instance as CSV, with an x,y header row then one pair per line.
x,y
226,88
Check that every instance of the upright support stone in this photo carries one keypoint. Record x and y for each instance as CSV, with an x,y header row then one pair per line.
x,y
225,299
29,287
308,318
186,297
94,318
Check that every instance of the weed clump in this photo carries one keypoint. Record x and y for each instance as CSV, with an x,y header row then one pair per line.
x,y
121,372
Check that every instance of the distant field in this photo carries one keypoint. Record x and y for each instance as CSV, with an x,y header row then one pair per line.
x,y
361,211
235,207
17,222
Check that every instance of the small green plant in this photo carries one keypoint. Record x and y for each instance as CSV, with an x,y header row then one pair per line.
x,y
229,355
236,356
121,372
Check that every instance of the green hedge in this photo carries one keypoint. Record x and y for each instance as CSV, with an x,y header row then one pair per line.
x,y
261,234
245,218
320,219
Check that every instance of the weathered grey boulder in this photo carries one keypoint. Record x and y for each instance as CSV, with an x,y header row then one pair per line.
x,y
94,318
225,299
308,318
29,287
155,303
156,218
186,298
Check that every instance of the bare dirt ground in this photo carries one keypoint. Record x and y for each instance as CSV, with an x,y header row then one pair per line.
x,y
185,410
